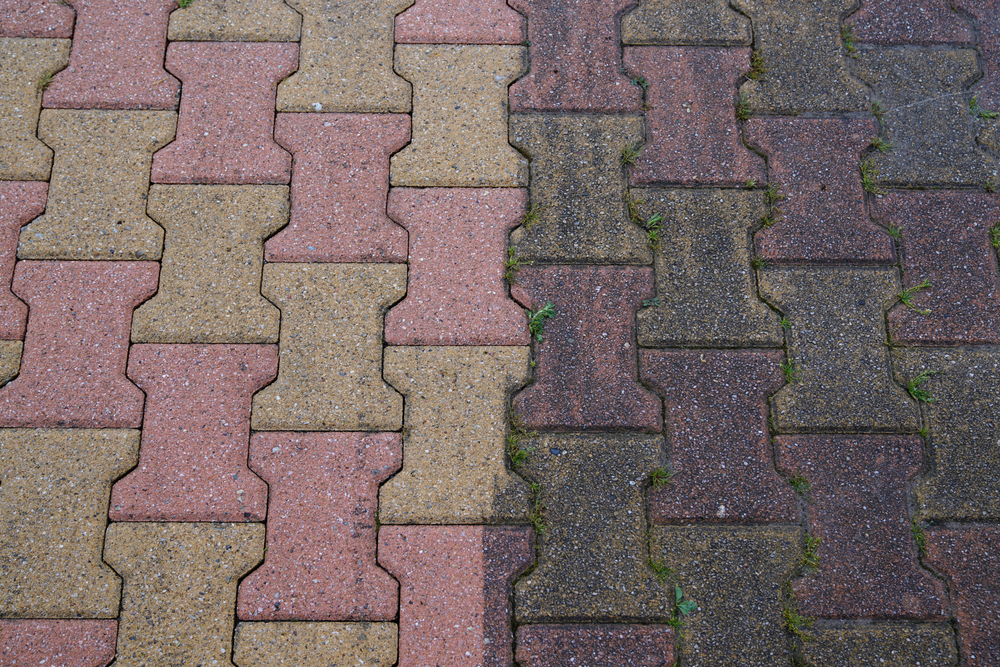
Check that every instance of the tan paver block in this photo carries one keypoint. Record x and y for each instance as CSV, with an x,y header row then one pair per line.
x,y
680,22
25,64
54,491
291,644
212,260
345,58
460,117
330,360
883,644
454,467
179,598
10,359
100,178
235,21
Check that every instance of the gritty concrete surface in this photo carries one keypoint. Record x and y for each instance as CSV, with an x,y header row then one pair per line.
x,y
57,643
10,359
298,644
595,645
20,202
36,18
234,21
883,644
460,22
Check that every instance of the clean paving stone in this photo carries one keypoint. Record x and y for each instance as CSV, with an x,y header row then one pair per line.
x,y
300,644
20,202
10,360
36,18
460,22
234,21
64,643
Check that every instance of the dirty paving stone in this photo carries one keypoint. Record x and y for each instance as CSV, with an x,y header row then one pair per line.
x,y
883,645
234,21
987,15
303,644
460,22
20,202
676,22
61,643
595,645
890,23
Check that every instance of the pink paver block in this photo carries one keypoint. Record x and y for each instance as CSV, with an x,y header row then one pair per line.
x,y
823,218
868,565
692,130
970,559
116,61
195,434
460,22
225,129
987,12
57,643
454,597
720,451
946,240
340,181
20,202
595,645
76,344
320,558
890,22
576,58
35,18
458,244
586,374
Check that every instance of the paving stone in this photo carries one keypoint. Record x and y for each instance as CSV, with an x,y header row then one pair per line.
x,y
586,376
592,553
458,246
225,130
888,23
345,58
734,575
595,645
882,645
454,468
25,62
19,203
926,116
195,434
575,53
340,180
857,508
968,558
693,137
288,644
320,557
235,21
837,343
801,45
454,606
76,343
10,360
987,15
814,163
212,262
330,363
706,290
100,179
963,431
36,18
459,117
578,186
460,22
179,589
686,23
54,508
57,643
720,449
117,58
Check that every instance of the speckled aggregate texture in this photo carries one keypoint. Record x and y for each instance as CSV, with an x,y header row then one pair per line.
x,y
595,645
235,21
697,24
10,359
291,644
20,202
57,643
460,22
883,645
35,18
889,23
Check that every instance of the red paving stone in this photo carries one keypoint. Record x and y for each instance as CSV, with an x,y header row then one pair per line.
x,y
889,22
195,434
340,181
460,22
857,507
20,202
458,245
595,645
117,58
225,130
76,343
35,18
57,643
692,133
320,558
987,12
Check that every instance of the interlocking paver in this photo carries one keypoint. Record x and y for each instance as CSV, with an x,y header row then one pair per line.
x,y
26,63
458,246
675,23
454,468
289,644
57,643
195,434
883,644
320,557
19,203
340,181
889,23
595,645
345,58
76,344
10,359
212,261
100,179
36,18
117,58
460,22
455,591
987,14
235,21
330,363
720,454
54,507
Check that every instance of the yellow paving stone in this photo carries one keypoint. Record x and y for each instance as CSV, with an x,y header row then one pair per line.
x,y
10,359
345,58
55,486
454,469
212,259
235,21
179,596
100,179
460,117
25,64
298,644
330,354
